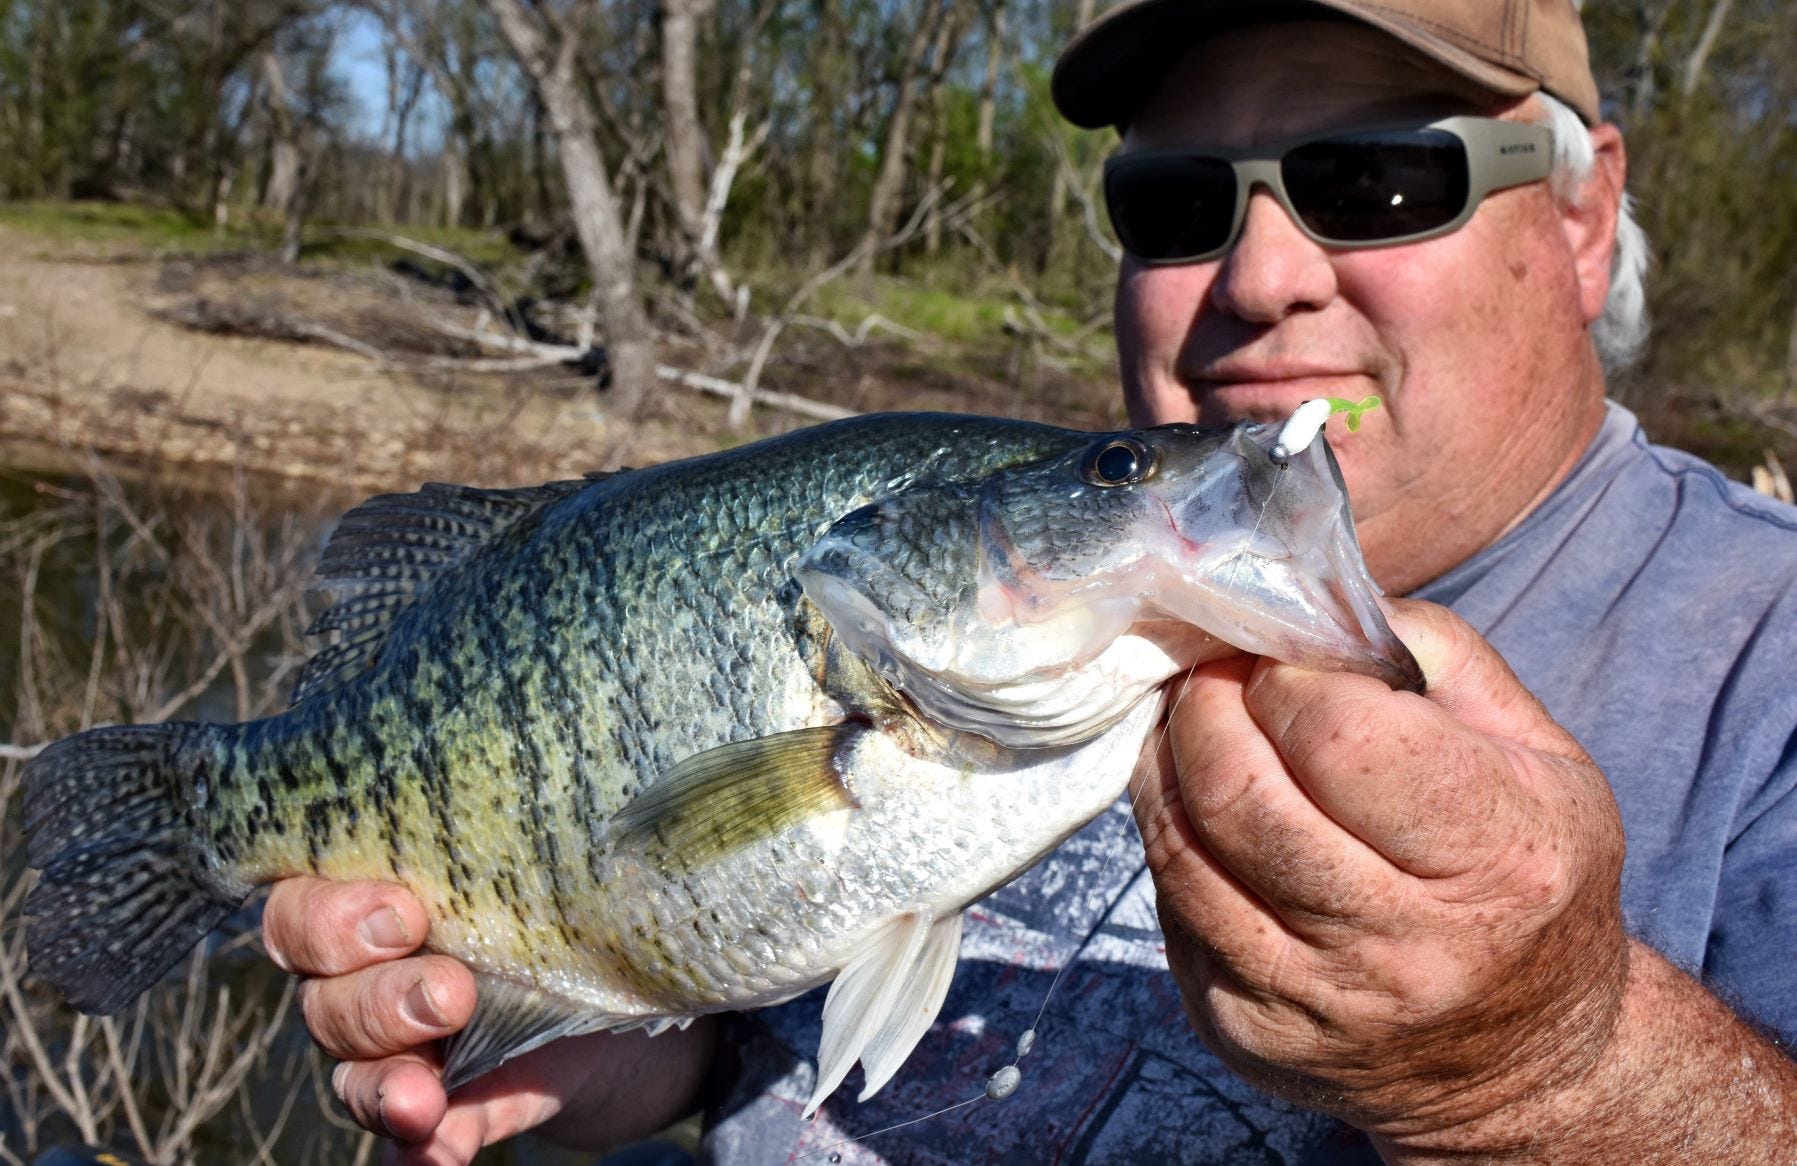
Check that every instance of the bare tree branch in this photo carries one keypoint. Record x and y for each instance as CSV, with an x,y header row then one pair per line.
x,y
444,255
1080,187
860,254
1706,43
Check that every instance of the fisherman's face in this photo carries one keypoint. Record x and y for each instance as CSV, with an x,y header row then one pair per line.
x,y
1476,341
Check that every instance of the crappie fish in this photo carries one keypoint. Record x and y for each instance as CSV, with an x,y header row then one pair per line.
x,y
704,735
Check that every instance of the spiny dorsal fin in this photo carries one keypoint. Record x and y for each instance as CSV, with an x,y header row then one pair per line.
x,y
723,799
389,549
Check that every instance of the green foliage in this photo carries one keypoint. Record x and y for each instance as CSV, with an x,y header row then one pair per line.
x,y
134,227
921,305
142,100
1711,127
139,226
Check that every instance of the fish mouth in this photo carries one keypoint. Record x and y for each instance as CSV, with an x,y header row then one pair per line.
x,y
1288,580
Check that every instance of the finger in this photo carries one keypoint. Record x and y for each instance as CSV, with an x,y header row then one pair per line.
x,y
1248,812
1441,784
499,1106
518,1096
402,1098
1234,957
1471,681
388,1008
397,1097
314,927
1429,794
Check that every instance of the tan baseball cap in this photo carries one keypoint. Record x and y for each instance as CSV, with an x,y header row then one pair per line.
x,y
1511,47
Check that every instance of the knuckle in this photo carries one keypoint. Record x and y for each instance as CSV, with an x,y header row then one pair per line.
x,y
313,927
324,1019
376,1017
452,988
361,1096
1216,804
283,924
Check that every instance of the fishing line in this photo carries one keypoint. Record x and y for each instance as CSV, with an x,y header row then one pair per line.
x,y
1303,427
887,1129
1005,1080
1236,566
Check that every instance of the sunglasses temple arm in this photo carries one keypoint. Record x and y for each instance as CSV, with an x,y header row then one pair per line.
x,y
1512,154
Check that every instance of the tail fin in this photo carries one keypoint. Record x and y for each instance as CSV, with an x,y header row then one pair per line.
x,y
124,890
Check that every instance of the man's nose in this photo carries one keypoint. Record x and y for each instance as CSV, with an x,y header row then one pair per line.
x,y
1274,269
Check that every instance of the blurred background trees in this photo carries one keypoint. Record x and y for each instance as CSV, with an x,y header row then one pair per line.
x,y
723,148
1707,92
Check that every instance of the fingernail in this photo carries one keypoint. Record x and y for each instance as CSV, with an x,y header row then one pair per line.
x,y
338,1076
385,929
421,1006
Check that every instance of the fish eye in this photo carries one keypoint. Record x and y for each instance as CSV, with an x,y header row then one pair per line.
x,y
1122,462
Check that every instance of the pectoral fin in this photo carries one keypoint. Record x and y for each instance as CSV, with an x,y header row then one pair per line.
x,y
884,1000
721,800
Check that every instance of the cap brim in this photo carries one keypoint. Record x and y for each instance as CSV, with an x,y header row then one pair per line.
x,y
1114,65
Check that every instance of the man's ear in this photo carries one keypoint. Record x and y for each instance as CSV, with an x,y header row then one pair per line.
x,y
1588,215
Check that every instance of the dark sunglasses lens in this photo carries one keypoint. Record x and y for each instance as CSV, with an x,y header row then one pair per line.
x,y
1171,208
1362,188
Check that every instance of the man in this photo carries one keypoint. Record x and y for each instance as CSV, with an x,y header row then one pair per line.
x,y
1410,922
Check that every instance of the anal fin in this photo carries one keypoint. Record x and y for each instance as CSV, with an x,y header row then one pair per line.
x,y
884,1000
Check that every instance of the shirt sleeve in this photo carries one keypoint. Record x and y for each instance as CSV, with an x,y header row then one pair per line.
x,y
1753,941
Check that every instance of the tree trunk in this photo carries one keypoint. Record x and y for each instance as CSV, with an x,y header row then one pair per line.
x,y
1057,190
685,138
824,149
394,196
1650,19
574,123
455,186
941,55
932,223
539,164
1694,64
283,195
995,41
293,225
883,206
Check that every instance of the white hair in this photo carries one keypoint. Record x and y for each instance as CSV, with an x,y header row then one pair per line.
x,y
1620,333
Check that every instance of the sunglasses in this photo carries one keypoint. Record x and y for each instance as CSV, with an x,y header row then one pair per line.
x,y
1368,187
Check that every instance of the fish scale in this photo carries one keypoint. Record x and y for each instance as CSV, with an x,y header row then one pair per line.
x,y
704,735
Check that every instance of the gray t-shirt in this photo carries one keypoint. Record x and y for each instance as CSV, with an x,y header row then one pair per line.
x,y
1649,602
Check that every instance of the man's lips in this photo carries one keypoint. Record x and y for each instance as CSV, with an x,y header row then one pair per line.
x,y
1269,395
1232,372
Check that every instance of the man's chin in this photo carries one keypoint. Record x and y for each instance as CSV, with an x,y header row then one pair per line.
x,y
1233,404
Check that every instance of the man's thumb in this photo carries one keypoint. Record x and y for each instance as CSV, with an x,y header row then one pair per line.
x,y
1468,678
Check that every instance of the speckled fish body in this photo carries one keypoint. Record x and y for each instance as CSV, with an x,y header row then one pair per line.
x,y
704,735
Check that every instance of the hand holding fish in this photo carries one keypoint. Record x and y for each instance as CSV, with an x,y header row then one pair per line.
x,y
1401,909
379,1008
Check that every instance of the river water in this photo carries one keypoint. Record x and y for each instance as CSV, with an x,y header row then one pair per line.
x,y
120,591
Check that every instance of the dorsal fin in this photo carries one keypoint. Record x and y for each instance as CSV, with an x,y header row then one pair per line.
x,y
388,550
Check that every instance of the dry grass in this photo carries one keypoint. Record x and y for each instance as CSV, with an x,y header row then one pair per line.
x,y
130,604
